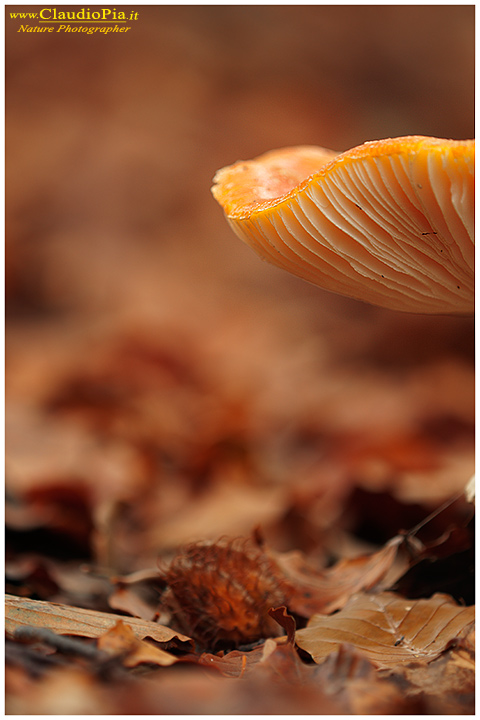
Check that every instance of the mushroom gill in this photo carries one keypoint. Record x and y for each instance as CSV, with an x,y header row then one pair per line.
x,y
389,222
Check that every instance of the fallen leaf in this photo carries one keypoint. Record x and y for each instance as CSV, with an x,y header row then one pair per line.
x,y
286,621
49,578
447,684
235,663
388,629
67,620
328,590
121,640
48,457
138,576
118,640
30,574
352,678
128,601
229,507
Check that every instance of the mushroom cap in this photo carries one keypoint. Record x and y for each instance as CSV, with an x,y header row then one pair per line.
x,y
390,222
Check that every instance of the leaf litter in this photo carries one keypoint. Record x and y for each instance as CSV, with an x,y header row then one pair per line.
x,y
215,545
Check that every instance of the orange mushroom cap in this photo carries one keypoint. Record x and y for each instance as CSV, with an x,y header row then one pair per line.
x,y
390,222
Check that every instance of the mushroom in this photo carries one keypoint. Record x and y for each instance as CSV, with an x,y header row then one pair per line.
x,y
389,222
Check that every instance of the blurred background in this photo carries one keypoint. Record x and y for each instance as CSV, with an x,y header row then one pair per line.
x,y
152,359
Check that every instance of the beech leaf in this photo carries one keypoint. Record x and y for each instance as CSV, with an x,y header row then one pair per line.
x,y
286,621
121,640
388,629
328,590
127,600
236,663
68,620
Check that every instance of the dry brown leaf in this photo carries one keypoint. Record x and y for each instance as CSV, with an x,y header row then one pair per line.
x,y
45,451
285,620
236,663
67,620
328,590
350,677
138,594
49,578
139,576
447,684
388,629
228,507
128,601
118,640
121,640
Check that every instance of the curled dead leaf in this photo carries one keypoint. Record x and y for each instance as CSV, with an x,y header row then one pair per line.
x,y
286,621
235,663
329,589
